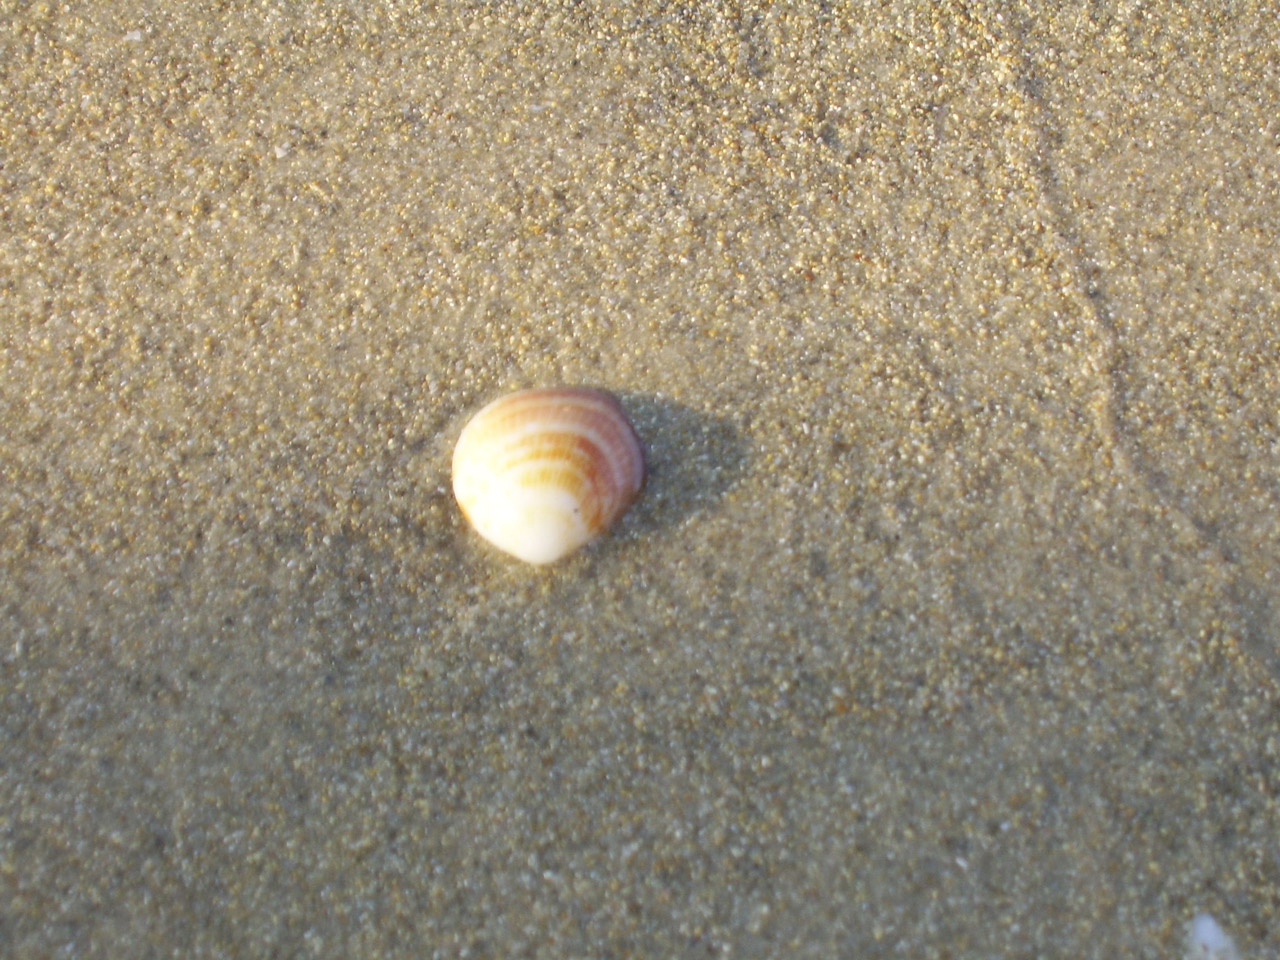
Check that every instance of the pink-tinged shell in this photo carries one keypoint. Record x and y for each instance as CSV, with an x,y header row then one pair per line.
x,y
540,472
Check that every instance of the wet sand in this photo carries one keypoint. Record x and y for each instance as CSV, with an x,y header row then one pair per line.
x,y
948,624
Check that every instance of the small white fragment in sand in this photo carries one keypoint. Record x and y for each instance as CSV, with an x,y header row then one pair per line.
x,y
1206,940
134,36
282,151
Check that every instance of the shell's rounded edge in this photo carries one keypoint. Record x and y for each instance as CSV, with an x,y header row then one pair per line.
x,y
539,473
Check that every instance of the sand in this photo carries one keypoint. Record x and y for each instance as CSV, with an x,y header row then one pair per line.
x,y
947,624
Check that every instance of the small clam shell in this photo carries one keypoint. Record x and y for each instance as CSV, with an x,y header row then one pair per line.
x,y
540,472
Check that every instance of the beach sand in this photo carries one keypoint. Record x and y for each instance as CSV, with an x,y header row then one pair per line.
x,y
948,624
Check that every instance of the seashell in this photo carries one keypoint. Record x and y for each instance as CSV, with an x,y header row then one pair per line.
x,y
539,473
